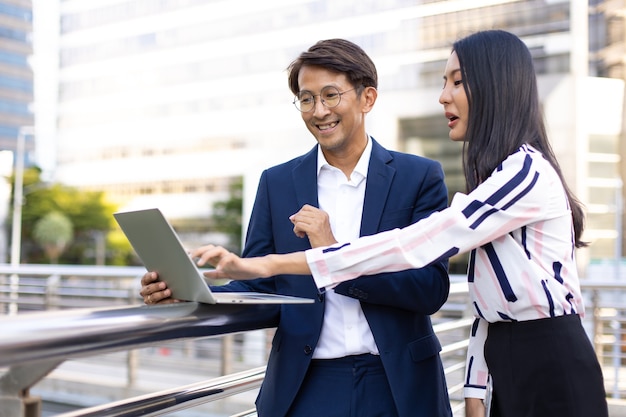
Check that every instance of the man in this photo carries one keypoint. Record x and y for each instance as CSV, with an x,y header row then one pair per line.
x,y
366,347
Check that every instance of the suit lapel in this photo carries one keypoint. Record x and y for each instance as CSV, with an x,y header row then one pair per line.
x,y
379,177
304,177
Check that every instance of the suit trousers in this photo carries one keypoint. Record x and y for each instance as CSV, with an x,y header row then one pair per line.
x,y
544,367
352,386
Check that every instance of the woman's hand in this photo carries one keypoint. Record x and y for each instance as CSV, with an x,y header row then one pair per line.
x,y
228,265
475,407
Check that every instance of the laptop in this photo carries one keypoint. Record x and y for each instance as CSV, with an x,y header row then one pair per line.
x,y
160,249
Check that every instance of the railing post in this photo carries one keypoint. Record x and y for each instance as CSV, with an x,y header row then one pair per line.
x,y
132,363
32,406
227,355
132,356
4,307
14,286
15,399
617,359
52,292
596,331
20,406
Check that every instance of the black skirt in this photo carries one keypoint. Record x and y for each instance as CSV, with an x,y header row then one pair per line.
x,y
544,368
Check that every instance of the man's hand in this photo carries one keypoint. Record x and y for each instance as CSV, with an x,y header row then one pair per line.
x,y
315,224
154,291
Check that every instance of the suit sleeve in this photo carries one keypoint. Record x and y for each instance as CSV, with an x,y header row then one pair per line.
x,y
422,290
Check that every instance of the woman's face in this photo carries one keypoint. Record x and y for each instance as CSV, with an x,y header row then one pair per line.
x,y
454,99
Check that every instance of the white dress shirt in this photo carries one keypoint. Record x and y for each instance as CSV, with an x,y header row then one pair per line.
x,y
345,330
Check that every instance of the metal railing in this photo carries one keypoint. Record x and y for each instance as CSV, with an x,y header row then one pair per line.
x,y
607,306
35,342
48,287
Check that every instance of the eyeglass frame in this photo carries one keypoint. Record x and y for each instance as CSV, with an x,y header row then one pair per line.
x,y
340,93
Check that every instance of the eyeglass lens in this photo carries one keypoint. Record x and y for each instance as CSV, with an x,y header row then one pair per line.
x,y
305,101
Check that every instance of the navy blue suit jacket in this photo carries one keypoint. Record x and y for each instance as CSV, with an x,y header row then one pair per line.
x,y
400,190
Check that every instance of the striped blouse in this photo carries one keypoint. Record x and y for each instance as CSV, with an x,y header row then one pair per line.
x,y
517,225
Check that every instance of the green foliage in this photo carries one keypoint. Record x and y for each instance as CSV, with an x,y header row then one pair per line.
x,y
88,212
53,232
227,215
119,250
91,221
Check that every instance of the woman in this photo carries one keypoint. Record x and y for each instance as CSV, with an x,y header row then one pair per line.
x,y
521,225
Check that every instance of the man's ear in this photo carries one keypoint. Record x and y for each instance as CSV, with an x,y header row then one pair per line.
x,y
369,96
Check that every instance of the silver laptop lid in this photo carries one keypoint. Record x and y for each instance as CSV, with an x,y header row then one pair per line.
x,y
160,249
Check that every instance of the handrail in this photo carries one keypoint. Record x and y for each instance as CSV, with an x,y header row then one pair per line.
x,y
168,401
34,344
57,335
80,270
175,399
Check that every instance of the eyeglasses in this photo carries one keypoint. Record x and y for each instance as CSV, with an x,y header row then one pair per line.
x,y
329,96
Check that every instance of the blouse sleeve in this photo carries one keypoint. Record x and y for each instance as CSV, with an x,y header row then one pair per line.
x,y
514,195
476,371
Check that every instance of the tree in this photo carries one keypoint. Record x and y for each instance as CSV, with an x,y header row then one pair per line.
x,y
227,215
89,213
53,232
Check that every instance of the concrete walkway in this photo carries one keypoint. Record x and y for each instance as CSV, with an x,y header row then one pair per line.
x,y
617,408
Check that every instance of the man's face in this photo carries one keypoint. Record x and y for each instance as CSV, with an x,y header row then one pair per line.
x,y
338,128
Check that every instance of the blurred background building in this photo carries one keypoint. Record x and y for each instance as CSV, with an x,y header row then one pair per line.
x,y
16,99
16,75
166,102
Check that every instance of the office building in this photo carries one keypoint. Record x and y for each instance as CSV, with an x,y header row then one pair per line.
x,y
16,99
163,103
16,75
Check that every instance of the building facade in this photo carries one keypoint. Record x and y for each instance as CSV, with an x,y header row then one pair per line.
x,y
17,143
163,103
16,74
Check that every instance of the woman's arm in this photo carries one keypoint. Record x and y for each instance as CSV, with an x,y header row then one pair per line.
x,y
474,407
230,266
513,196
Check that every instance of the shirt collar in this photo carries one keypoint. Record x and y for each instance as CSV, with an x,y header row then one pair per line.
x,y
361,166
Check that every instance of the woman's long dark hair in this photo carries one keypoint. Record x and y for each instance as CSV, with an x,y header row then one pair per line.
x,y
504,110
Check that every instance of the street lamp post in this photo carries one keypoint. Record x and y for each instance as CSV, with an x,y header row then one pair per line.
x,y
16,231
